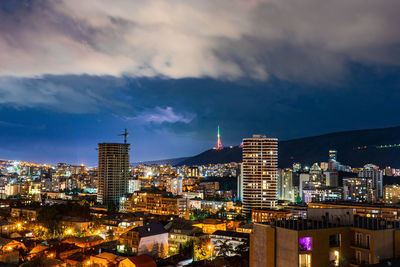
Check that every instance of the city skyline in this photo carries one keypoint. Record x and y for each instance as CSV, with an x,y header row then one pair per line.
x,y
171,83
241,133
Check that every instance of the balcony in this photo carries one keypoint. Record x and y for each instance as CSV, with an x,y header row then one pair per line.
x,y
359,245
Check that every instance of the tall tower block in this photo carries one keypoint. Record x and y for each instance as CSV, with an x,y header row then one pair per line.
x,y
113,172
259,172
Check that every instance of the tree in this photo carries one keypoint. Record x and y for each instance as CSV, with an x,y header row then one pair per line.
x,y
242,250
110,235
224,248
95,224
186,249
202,250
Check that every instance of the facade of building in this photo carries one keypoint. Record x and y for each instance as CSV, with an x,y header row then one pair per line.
x,y
179,234
233,239
149,239
357,189
175,186
392,194
113,172
372,173
285,185
157,203
269,215
260,171
321,242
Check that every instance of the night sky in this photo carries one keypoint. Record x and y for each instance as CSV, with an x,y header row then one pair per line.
x,y
76,73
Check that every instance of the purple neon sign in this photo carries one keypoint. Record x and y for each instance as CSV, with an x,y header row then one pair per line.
x,y
305,244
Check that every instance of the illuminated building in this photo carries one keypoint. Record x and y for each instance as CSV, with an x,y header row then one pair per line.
x,y
233,239
324,166
149,239
332,154
179,234
333,164
331,178
209,225
357,189
392,194
134,185
25,213
285,185
113,172
209,188
240,184
260,171
363,209
175,186
192,172
156,203
320,242
376,176
268,215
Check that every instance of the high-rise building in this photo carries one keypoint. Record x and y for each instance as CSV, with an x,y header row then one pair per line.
x,y
285,185
333,154
175,186
240,184
260,171
333,164
113,172
373,173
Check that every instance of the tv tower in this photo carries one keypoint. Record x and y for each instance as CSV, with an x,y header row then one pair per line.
x,y
219,144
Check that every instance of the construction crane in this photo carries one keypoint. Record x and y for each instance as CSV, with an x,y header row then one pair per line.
x,y
125,135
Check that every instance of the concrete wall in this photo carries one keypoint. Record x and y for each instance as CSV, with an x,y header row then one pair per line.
x,y
262,246
156,245
382,245
287,247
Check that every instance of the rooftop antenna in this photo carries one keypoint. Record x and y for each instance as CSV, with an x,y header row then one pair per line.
x,y
125,135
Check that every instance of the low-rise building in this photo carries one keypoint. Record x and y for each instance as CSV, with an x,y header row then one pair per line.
x,y
209,225
149,239
232,239
391,194
25,213
105,259
267,215
179,234
158,203
138,261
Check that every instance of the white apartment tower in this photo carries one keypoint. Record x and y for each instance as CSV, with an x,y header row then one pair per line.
x,y
113,172
260,171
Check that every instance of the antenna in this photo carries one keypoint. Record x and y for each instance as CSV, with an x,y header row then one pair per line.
x,y
125,135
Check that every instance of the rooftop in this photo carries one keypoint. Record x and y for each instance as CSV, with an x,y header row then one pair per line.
x,y
230,234
359,222
150,229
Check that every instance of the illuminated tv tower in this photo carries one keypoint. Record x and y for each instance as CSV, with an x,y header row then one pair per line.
x,y
219,144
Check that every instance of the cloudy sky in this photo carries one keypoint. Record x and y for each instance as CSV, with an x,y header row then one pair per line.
x,y
74,73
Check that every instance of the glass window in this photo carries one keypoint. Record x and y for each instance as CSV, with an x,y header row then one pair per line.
x,y
334,240
305,244
304,260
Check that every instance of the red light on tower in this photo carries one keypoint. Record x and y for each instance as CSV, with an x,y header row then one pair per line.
x,y
219,144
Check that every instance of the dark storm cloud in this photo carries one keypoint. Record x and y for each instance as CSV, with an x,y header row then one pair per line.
x,y
70,94
294,40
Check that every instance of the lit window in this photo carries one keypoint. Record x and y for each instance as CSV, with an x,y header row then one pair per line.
x,y
305,244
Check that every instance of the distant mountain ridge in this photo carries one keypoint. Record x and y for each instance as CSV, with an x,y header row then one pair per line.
x,y
173,161
355,148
